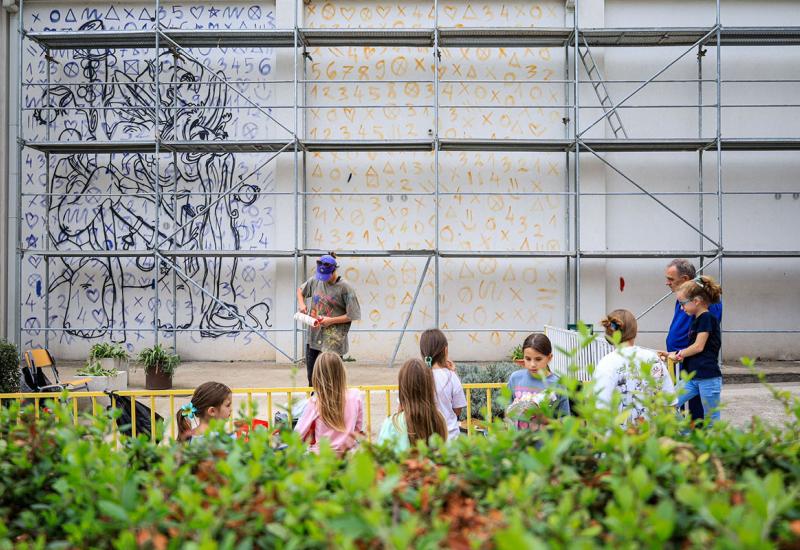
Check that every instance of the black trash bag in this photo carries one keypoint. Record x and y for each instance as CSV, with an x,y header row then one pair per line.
x,y
143,424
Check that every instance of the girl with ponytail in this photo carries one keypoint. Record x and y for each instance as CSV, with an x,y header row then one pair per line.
x,y
633,372
210,400
701,357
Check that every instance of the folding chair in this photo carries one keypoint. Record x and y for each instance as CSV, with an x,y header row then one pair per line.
x,y
36,360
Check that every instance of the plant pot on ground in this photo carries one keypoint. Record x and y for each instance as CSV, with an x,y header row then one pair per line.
x,y
159,367
110,356
9,368
100,379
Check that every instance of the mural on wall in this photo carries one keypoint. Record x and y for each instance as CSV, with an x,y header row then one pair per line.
x,y
108,202
489,93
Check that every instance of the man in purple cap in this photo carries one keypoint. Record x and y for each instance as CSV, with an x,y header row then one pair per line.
x,y
329,298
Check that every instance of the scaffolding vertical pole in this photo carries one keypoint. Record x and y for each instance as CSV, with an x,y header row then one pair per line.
x,y
437,265
567,197
20,140
47,201
577,169
157,171
302,259
174,198
700,54
296,8
719,138
46,323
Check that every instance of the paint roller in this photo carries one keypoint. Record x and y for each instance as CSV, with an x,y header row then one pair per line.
x,y
306,319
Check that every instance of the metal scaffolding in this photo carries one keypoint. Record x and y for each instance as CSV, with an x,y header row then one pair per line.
x,y
576,42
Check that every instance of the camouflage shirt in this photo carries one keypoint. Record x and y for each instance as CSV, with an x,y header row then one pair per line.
x,y
325,299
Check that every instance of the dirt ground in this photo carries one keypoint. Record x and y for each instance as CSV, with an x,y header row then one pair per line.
x,y
741,401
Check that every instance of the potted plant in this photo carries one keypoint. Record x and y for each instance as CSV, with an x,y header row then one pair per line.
x,y
110,356
517,355
100,378
159,366
9,367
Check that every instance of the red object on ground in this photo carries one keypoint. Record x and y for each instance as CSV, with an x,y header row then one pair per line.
x,y
622,284
244,430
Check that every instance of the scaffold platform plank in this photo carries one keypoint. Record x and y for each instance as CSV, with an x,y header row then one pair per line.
x,y
421,38
466,37
368,145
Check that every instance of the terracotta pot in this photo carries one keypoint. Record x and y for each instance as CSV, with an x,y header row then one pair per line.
x,y
520,362
157,380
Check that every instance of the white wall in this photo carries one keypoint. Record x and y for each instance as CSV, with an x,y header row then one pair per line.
x,y
487,294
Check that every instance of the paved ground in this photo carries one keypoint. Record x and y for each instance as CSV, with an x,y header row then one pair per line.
x,y
741,400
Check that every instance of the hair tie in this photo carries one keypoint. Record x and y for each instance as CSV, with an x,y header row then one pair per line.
x,y
189,410
614,325
429,361
699,282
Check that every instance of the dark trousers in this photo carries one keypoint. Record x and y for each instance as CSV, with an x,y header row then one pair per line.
x,y
311,358
696,408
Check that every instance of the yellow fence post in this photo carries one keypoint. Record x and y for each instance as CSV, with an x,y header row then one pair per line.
x,y
133,415
369,415
169,416
153,418
488,406
469,411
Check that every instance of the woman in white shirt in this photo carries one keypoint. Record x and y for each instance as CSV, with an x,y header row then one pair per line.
x,y
450,398
624,369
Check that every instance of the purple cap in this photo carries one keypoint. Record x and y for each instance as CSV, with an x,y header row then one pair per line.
x,y
326,265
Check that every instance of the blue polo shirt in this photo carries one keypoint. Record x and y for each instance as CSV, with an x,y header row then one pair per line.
x,y
678,336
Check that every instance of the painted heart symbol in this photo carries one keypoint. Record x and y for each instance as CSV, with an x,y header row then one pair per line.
x,y
35,261
93,294
197,11
347,13
31,219
99,316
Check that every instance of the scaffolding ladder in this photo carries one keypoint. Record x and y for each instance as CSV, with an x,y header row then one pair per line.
x,y
599,85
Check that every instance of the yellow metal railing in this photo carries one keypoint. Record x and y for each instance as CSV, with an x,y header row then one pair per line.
x,y
174,398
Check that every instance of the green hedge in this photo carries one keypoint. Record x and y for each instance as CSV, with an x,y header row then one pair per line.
x,y
484,374
582,483
9,367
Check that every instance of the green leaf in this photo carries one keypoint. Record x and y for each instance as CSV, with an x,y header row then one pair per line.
x,y
112,510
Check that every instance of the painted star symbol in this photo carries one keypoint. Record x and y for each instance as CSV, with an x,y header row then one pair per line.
x,y
31,240
212,11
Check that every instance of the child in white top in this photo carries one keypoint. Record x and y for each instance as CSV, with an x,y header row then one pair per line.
x,y
622,370
450,398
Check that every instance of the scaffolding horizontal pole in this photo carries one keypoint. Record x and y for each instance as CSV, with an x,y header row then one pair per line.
x,y
448,37
401,194
423,252
599,145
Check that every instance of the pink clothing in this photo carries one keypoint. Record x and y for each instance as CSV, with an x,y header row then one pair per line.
x,y
312,429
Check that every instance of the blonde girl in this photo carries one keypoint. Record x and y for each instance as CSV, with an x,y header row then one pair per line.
x,y
333,412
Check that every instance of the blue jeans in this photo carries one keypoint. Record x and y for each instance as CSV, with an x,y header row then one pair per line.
x,y
709,390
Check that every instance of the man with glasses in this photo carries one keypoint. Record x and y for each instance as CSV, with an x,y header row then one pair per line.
x,y
330,299
678,272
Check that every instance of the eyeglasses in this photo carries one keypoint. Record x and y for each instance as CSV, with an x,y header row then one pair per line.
x,y
325,264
